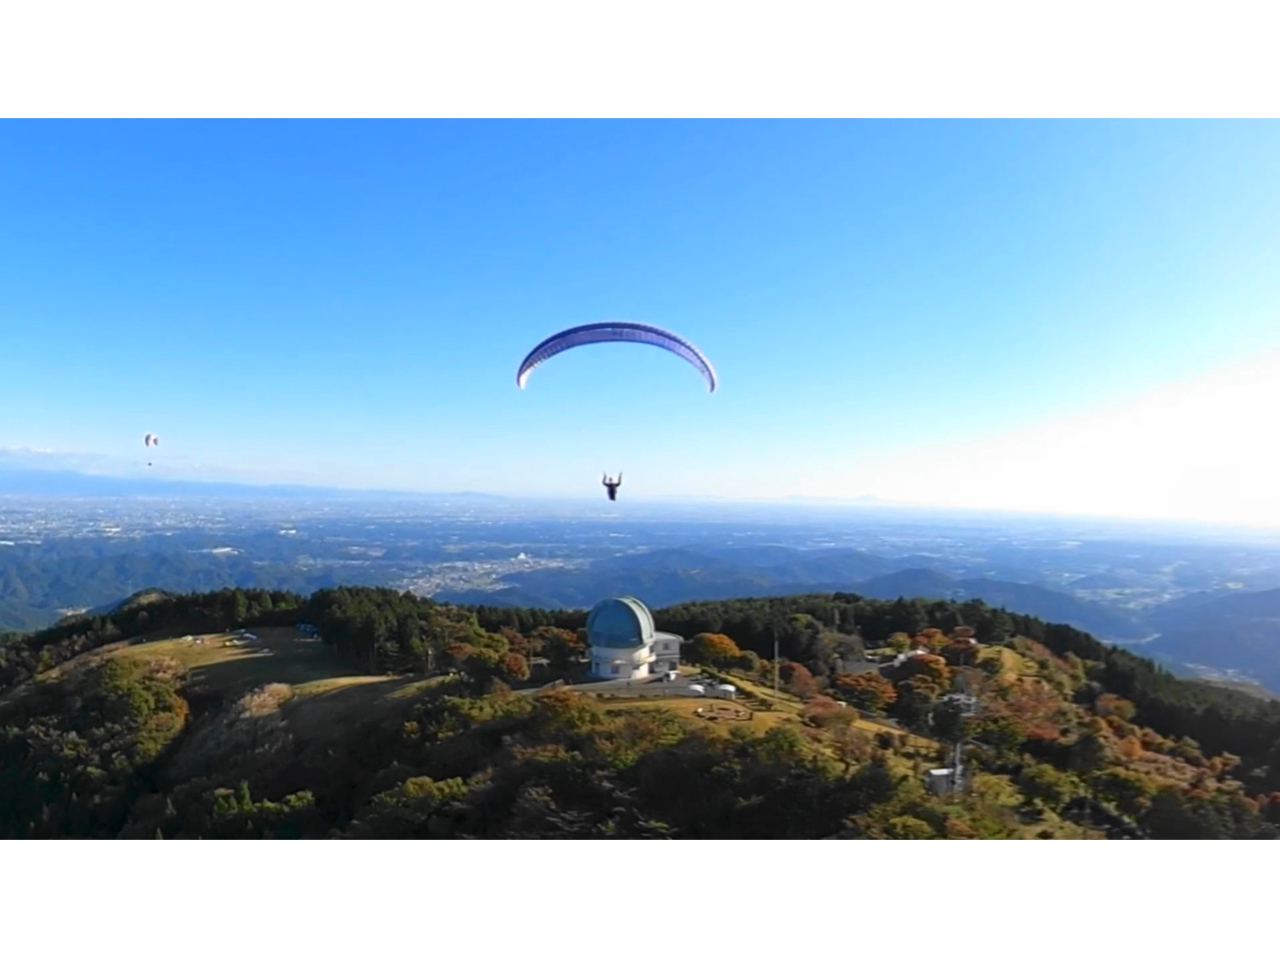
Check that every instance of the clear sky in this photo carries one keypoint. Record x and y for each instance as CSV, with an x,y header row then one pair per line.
x,y
1044,316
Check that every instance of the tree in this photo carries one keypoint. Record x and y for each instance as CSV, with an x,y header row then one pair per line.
x,y
910,828
899,642
515,667
1130,791
960,652
456,654
516,642
798,680
1039,781
1109,705
931,638
562,647
1003,734
915,700
867,691
1088,752
949,721
713,648
852,746
929,666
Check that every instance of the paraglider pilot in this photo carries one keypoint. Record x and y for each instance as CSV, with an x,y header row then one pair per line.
x,y
612,486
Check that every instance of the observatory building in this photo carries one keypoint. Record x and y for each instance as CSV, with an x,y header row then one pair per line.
x,y
623,644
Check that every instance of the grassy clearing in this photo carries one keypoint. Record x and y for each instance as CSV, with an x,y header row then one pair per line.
x,y
327,697
1012,664
685,707
221,663
324,709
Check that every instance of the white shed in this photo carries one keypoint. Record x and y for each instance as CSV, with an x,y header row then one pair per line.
x,y
939,780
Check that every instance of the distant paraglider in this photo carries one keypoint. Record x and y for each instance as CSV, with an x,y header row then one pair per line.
x,y
150,440
612,485
617,331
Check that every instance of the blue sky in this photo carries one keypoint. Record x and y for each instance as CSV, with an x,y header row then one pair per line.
x,y
346,303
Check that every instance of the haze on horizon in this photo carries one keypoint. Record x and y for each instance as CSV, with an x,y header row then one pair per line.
x,y
1051,317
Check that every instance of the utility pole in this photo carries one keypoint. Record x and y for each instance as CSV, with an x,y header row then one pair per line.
x,y
775,660
967,705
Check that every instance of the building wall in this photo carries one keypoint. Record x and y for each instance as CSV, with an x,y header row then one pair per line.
x,y
632,663
666,651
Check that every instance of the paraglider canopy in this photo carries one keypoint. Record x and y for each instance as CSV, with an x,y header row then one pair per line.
x,y
151,440
617,331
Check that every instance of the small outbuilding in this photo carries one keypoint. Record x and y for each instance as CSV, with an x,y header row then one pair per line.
x,y
940,780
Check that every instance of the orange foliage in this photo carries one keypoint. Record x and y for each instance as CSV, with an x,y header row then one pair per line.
x,y
458,652
869,691
712,648
1043,731
515,666
798,679
819,710
927,665
1109,705
931,638
1130,748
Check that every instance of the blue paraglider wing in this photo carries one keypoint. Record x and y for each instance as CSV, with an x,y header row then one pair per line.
x,y
617,331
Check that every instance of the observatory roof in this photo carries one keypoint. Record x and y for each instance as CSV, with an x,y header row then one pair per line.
x,y
619,622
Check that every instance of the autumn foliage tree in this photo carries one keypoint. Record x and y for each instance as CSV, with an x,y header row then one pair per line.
x,y
515,667
798,680
455,654
560,646
866,691
851,745
1109,705
931,638
932,668
899,642
960,652
713,648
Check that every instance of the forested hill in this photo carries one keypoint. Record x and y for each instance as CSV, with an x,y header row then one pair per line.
x,y
811,629
399,720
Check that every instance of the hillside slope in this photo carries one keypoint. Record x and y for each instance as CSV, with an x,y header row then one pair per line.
x,y
1036,601
136,725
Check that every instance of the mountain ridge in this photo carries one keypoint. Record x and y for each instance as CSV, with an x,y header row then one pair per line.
x,y
679,575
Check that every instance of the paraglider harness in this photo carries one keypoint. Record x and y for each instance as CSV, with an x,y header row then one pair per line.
x,y
612,486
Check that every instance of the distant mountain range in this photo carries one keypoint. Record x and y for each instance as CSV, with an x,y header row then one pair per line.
x,y
1224,632
664,577
22,481
1050,605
